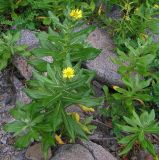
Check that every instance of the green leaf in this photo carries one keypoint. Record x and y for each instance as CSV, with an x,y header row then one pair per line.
x,y
47,142
128,146
85,54
15,127
68,125
24,140
127,139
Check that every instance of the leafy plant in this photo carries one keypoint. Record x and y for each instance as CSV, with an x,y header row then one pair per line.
x,y
138,59
31,14
47,116
65,42
134,22
9,47
64,83
140,130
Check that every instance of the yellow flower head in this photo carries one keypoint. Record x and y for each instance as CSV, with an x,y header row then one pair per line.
x,y
86,109
68,72
115,87
76,14
58,139
127,18
76,116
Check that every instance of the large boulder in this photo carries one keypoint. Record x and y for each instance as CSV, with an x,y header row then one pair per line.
x,y
84,151
106,70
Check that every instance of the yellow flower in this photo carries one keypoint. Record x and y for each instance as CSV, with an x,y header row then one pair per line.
x,y
58,139
68,72
76,116
143,36
85,129
156,6
127,18
86,109
127,7
100,10
76,14
115,87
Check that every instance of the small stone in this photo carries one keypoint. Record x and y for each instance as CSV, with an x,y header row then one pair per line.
x,y
34,152
10,141
7,157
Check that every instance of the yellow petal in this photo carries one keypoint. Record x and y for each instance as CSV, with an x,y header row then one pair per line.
x,y
100,10
58,139
140,101
68,72
87,109
115,87
76,116
85,129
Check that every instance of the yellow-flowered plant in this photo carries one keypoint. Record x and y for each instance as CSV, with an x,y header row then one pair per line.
x,y
86,109
68,72
76,14
65,84
58,139
115,87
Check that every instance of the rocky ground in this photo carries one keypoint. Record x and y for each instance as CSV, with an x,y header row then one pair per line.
x,y
102,144
11,86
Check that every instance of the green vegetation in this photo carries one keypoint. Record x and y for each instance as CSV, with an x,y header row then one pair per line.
x,y
66,83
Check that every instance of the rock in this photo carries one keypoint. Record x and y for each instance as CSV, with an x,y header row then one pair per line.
x,y
21,64
27,38
106,70
84,151
73,152
20,95
7,90
34,152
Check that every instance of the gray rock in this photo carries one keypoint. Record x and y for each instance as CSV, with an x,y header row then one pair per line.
x,y
35,152
21,64
72,152
84,151
20,95
106,70
27,38
7,90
